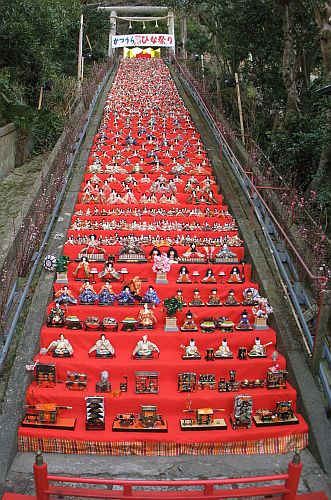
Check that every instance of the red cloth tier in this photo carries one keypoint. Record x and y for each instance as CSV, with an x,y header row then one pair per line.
x,y
146,119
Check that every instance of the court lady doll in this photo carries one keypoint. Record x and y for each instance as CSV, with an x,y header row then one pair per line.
x,y
172,254
235,276
209,277
109,272
82,271
183,275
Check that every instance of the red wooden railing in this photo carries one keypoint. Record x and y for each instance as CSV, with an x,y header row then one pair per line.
x,y
279,486
284,485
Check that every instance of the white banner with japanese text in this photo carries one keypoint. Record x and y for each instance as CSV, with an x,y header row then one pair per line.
x,y
144,40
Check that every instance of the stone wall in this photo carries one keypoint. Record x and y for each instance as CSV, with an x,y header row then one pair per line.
x,y
8,138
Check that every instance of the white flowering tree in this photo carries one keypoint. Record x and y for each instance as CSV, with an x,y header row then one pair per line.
x,y
263,308
161,263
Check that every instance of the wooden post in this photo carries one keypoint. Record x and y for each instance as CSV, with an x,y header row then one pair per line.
x,y
321,328
183,34
40,97
240,109
203,72
82,70
294,473
88,43
40,477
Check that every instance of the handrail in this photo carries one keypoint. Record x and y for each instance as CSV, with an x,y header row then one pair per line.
x,y
178,482
5,348
250,140
252,194
223,142
286,485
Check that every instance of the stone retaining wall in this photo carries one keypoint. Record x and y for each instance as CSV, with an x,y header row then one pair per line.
x,y
8,139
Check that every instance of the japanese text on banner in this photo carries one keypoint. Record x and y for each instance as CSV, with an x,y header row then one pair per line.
x,y
144,40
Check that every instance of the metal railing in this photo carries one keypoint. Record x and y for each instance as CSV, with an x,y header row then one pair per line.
x,y
75,147
276,235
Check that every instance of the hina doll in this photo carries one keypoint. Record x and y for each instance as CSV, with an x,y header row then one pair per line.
x,y
193,253
172,254
56,316
93,246
213,298
250,295
64,296
189,324
125,297
209,277
155,252
258,350
196,300
61,348
112,197
135,287
146,317
191,350
231,299
109,272
151,297
183,275
107,296
82,271
129,197
211,200
180,298
235,276
223,351
87,293
198,170
137,169
244,323
103,348
225,254
145,348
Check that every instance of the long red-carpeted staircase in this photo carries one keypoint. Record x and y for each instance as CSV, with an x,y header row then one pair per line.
x,y
146,132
